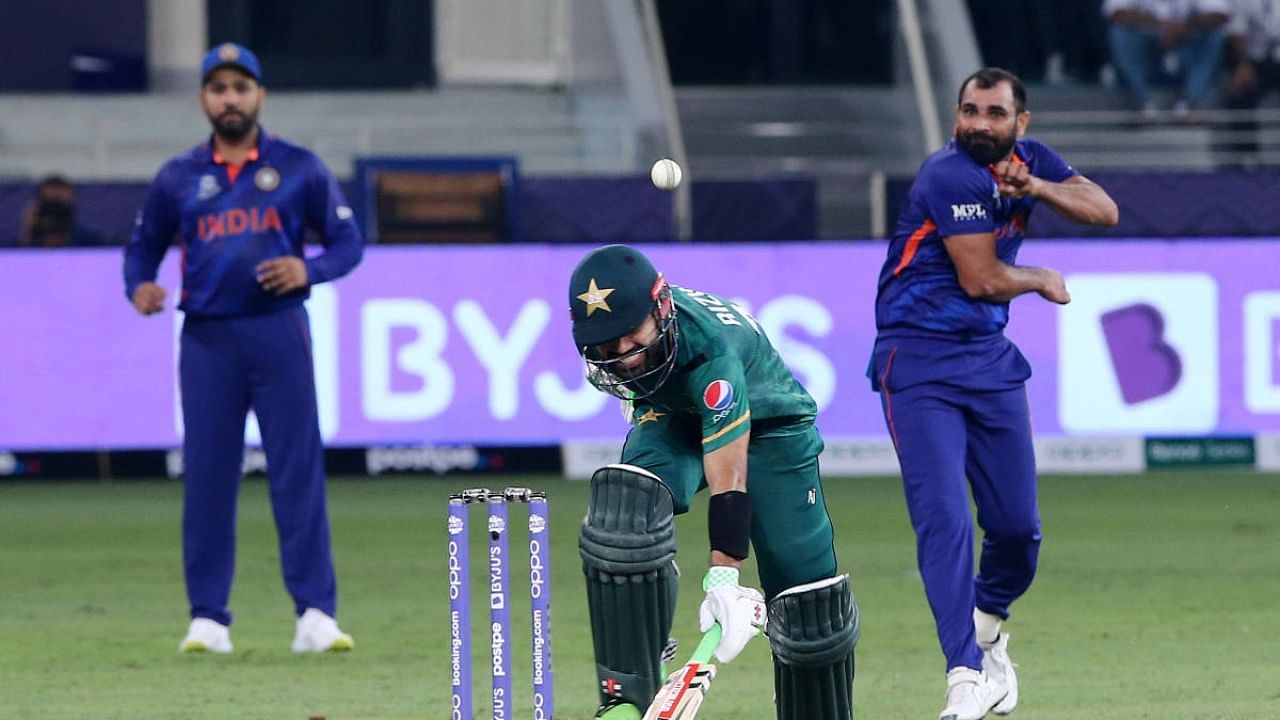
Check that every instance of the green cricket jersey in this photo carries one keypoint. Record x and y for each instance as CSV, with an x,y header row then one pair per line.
x,y
727,375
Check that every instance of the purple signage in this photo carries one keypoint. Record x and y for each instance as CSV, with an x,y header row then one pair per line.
x,y
472,344
1145,366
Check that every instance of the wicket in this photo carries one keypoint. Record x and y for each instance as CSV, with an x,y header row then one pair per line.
x,y
499,601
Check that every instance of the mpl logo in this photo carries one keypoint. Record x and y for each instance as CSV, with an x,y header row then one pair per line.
x,y
1139,352
968,211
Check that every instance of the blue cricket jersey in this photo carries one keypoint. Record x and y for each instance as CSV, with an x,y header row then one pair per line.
x,y
227,222
919,295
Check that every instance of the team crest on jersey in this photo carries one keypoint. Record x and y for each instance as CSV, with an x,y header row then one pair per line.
x,y
207,188
718,395
649,415
267,179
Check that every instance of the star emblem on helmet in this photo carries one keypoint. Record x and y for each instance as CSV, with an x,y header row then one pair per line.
x,y
595,296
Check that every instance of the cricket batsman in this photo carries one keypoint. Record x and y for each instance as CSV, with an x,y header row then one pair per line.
x,y
711,405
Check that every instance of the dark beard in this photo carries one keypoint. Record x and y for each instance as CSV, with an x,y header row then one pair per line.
x,y
234,127
985,149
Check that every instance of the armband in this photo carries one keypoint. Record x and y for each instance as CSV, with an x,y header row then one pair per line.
x,y
729,523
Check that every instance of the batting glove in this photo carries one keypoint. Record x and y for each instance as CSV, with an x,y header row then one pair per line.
x,y
739,610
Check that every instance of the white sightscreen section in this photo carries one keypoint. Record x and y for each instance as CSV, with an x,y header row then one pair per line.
x,y
499,41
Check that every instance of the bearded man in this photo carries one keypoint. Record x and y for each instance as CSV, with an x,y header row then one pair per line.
x,y
952,386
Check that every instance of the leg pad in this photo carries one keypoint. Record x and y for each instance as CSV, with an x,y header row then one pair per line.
x,y
813,629
628,547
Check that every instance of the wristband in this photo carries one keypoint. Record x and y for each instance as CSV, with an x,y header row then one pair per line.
x,y
729,523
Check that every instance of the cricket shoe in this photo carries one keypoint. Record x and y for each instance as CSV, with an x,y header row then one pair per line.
x,y
970,694
319,633
996,663
205,635
618,709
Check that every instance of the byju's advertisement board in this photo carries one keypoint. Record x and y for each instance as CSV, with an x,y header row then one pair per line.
x,y
472,345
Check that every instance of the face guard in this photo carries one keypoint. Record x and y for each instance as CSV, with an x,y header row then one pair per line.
x,y
612,374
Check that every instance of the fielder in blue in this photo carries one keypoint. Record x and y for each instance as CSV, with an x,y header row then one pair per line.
x,y
952,385
237,206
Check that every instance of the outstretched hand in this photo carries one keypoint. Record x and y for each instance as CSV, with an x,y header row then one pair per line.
x,y
739,610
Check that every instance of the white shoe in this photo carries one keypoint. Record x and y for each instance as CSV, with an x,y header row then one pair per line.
x,y
996,663
318,633
970,694
205,635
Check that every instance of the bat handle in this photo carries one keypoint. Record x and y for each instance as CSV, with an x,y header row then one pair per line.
x,y
707,646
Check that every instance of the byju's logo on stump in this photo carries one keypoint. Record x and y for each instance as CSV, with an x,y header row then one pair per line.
x,y
1139,352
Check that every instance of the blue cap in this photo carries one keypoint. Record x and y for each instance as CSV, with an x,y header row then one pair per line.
x,y
230,55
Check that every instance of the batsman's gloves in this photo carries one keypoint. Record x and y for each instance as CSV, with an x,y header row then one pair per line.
x,y
739,610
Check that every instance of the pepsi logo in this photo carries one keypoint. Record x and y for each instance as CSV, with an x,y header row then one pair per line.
x,y
718,395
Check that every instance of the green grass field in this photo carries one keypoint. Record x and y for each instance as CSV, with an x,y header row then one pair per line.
x,y
1158,597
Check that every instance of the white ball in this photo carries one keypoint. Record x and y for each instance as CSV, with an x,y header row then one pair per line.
x,y
665,174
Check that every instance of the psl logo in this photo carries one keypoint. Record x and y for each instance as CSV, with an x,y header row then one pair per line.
x,y
1139,352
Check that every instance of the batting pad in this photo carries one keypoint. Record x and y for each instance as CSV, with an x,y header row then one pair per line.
x,y
813,629
628,548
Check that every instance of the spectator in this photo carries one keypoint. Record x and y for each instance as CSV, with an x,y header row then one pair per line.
x,y
1253,62
1049,40
49,220
1172,38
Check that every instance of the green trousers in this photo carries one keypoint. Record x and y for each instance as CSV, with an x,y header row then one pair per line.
x,y
790,529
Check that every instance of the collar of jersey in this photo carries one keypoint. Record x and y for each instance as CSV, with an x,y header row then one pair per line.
x,y
258,151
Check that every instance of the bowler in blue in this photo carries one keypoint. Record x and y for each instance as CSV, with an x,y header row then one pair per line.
x,y
952,386
238,207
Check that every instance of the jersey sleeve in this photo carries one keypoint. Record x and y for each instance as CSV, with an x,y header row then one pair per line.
x,y
1049,165
718,391
153,231
959,199
328,213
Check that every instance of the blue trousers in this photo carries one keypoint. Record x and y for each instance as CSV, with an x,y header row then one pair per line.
x,y
1136,55
227,366
943,436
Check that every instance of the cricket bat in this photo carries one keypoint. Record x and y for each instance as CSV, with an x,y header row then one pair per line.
x,y
681,697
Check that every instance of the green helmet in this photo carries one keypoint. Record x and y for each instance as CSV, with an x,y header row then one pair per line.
x,y
611,293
